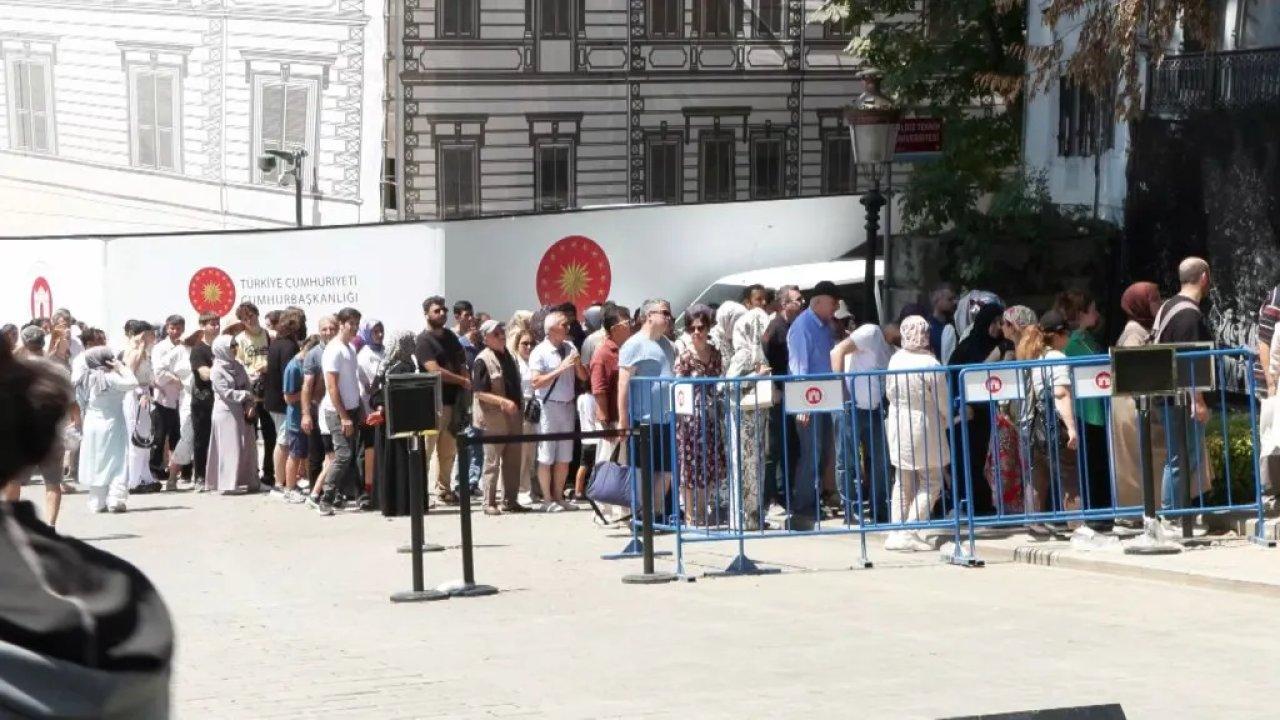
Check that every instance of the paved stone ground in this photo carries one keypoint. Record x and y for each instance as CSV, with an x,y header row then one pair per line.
x,y
284,614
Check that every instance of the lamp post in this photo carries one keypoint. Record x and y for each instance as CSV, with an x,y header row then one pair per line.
x,y
268,161
873,131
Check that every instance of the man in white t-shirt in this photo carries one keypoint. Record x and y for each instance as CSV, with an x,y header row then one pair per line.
x,y
555,364
341,408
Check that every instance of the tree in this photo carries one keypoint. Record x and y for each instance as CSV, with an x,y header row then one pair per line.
x,y
1114,37
960,61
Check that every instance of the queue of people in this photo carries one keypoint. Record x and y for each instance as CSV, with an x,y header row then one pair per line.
x,y
188,411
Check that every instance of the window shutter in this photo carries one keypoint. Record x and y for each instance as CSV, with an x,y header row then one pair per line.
x,y
272,116
39,107
164,84
144,93
295,117
22,103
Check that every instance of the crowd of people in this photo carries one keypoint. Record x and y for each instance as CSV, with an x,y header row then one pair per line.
x,y
176,410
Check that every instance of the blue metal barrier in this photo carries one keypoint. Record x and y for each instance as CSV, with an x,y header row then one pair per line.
x,y
906,451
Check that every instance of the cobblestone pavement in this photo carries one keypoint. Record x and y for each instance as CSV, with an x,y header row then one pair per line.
x,y
284,614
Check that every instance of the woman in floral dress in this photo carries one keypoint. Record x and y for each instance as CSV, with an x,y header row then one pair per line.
x,y
699,437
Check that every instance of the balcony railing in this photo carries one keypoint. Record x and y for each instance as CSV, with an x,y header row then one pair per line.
x,y
1217,80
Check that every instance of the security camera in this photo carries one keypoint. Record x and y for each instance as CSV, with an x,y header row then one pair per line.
x,y
266,163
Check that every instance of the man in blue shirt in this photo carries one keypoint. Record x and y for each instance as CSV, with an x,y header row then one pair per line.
x,y
649,354
809,344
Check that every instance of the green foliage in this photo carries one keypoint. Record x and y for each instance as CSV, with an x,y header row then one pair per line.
x,y
1238,446
962,61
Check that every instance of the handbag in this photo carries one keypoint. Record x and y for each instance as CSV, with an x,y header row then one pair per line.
x,y
757,395
141,435
611,483
532,410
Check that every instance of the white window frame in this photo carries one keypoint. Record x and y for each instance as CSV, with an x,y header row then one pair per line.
x,y
311,136
11,61
175,74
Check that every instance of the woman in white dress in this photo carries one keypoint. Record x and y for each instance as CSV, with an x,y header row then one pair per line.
x,y
101,388
916,431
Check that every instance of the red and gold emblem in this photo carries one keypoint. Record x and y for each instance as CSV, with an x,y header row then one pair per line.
x,y
211,290
574,270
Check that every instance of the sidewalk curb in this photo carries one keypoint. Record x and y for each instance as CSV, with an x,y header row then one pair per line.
x,y
1030,555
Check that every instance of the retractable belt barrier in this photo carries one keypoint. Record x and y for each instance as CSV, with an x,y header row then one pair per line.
x,y
935,451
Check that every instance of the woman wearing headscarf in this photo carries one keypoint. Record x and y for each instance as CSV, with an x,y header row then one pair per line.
x,y
368,360
916,431
233,462
1140,303
391,456
983,344
967,309
866,351
722,334
1015,320
749,408
105,436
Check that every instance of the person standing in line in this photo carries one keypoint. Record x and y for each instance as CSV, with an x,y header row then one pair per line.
x,y
38,408
104,442
699,442
1140,302
232,467
290,330
942,333
254,343
916,431
296,440
202,396
748,451
603,373
171,362
649,353
866,351
342,410
982,344
1081,313
369,359
464,326
1181,321
809,344
528,451
1054,436
138,407
439,351
11,337
319,443
516,327
784,444
555,364
50,468
32,344
497,404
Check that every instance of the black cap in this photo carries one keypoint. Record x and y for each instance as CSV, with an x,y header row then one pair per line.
x,y
825,287
1053,322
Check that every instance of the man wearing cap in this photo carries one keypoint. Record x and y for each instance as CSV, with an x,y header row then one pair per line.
x,y
496,400
809,344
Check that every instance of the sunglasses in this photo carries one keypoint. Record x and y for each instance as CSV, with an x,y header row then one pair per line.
x,y
697,328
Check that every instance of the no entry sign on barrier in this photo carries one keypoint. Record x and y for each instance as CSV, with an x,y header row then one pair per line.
x,y
1092,381
989,385
806,396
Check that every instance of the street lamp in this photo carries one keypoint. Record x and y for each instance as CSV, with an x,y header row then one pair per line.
x,y
873,130
270,159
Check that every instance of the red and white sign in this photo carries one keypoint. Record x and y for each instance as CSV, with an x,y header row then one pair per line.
x,y
1091,381
982,386
806,396
212,290
574,270
683,401
41,298
919,135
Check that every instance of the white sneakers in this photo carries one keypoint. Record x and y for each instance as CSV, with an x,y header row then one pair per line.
x,y
906,541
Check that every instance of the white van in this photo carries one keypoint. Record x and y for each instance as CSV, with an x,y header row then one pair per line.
x,y
848,275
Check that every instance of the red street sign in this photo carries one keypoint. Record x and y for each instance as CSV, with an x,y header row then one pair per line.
x,y
1103,380
813,395
994,384
919,135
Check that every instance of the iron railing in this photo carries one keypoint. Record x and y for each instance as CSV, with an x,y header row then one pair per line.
x,y
1215,80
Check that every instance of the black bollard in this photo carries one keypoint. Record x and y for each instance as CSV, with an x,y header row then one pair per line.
x,y
648,577
416,531
1152,542
417,465
467,587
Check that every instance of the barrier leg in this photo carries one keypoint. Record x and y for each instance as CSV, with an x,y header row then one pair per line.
x,y
741,564
467,587
416,531
649,576
1153,540
634,547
